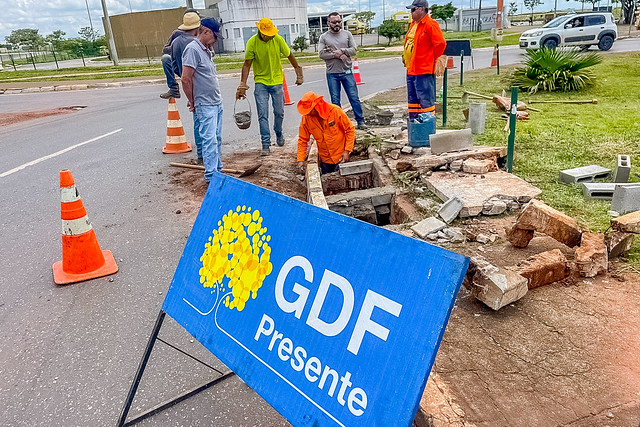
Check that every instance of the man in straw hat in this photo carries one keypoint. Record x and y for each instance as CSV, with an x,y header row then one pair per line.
x,y
200,85
190,24
330,127
263,52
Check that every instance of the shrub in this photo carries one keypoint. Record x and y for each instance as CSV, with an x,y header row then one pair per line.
x,y
300,44
556,70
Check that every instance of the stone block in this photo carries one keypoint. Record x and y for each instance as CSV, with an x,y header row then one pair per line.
x,y
494,206
479,166
384,198
629,223
583,174
495,287
407,149
626,198
544,268
12,91
352,168
623,169
79,87
31,89
428,226
598,190
456,165
592,256
457,140
519,237
62,88
450,209
47,89
537,216
618,243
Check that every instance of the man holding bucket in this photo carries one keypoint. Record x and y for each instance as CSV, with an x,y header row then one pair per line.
x,y
263,52
200,85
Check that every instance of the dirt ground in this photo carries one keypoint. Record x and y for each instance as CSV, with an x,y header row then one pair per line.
x,y
566,354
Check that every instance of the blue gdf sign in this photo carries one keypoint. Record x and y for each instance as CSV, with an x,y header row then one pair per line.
x,y
331,320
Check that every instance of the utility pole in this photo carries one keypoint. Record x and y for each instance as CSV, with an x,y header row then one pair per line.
x,y
88,13
555,8
189,4
479,13
109,35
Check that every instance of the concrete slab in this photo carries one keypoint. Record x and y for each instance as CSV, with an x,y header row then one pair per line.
x,y
376,196
451,141
473,190
626,198
428,226
583,174
359,166
450,209
623,169
434,161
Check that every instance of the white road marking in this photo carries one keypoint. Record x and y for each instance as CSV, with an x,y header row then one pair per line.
x,y
57,153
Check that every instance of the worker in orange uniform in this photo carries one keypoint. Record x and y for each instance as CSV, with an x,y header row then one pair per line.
x,y
330,127
423,47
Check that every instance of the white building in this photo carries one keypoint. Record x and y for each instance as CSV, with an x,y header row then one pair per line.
x,y
467,19
239,17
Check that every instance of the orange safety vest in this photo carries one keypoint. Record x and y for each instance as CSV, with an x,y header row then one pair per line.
x,y
425,47
334,136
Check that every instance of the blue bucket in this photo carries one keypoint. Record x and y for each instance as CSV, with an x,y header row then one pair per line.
x,y
420,129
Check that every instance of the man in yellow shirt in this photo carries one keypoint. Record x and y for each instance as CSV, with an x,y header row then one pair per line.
x,y
264,51
331,128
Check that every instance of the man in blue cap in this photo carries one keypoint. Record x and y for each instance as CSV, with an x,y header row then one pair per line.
x,y
200,85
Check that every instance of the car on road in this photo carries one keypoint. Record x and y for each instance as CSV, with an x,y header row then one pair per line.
x,y
580,29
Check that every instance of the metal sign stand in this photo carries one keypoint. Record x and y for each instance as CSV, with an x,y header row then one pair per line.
x,y
122,421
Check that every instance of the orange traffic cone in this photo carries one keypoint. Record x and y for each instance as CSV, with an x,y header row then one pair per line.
x,y
450,62
82,258
356,72
494,58
287,99
176,140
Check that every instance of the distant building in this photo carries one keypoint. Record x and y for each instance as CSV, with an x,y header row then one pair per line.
x,y
239,17
467,19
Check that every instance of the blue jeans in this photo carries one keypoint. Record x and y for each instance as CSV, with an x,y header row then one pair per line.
x,y
196,135
262,93
421,94
168,71
210,127
334,80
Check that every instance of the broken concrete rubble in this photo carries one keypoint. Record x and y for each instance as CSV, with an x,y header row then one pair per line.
x,y
494,206
537,216
618,243
450,209
479,166
591,256
428,226
629,223
494,286
544,268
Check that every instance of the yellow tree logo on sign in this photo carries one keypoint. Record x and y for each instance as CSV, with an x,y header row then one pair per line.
x,y
237,257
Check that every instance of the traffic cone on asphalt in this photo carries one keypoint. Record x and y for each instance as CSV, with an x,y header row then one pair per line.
x,y
494,58
82,258
450,62
287,99
176,140
356,72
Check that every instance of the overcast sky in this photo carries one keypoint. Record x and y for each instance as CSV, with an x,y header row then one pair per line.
x,y
71,15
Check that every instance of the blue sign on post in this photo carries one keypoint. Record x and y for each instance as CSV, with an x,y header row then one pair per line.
x,y
331,320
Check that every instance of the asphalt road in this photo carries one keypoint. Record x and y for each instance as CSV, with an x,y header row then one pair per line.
x,y
68,353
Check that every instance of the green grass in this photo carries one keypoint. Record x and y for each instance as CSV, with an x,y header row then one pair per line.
x,y
483,38
565,136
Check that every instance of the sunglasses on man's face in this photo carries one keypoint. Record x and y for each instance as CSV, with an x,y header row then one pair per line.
x,y
413,9
335,22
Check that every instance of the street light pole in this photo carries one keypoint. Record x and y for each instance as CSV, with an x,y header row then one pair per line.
x,y
112,44
88,13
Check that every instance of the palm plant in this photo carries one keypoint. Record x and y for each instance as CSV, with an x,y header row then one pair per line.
x,y
556,70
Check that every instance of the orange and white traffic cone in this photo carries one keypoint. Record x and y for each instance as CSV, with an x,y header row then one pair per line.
x,y
82,258
176,140
494,58
287,99
450,62
356,72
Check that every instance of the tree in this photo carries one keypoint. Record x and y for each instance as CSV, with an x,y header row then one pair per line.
x,y
513,8
365,17
531,4
300,44
391,29
89,34
25,38
55,39
443,12
628,7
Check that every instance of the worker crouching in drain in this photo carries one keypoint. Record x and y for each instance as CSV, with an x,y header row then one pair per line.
x,y
330,127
